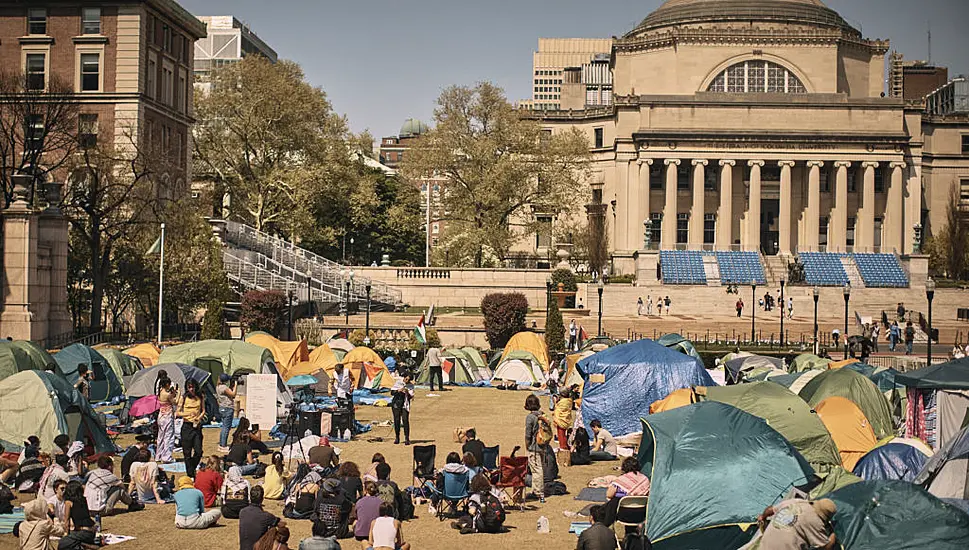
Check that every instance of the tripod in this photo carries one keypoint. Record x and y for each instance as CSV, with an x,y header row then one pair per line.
x,y
292,431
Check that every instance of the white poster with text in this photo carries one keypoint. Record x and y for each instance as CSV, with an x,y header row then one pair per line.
x,y
261,400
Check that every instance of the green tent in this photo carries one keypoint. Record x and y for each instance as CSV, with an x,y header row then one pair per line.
x,y
39,356
475,357
680,344
105,385
795,381
462,371
834,480
46,405
13,360
713,468
857,389
808,361
897,515
124,366
785,412
227,356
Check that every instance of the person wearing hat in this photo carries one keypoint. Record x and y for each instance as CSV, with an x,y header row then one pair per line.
x,y
190,507
798,524
225,394
331,512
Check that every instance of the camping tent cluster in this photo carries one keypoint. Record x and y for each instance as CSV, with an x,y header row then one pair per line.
x,y
460,366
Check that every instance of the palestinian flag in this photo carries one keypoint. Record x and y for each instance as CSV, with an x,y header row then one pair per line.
x,y
420,332
583,335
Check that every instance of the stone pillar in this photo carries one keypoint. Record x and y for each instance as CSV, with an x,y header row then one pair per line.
x,y
696,214
913,211
644,167
53,233
634,219
784,219
753,206
838,225
725,214
669,209
894,222
865,223
812,216
20,262
622,204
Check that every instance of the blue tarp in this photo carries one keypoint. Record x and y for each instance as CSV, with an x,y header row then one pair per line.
x,y
623,381
896,461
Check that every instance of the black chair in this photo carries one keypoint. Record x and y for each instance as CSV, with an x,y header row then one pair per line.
x,y
490,456
424,456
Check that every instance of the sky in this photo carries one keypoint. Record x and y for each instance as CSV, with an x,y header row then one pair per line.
x,y
382,62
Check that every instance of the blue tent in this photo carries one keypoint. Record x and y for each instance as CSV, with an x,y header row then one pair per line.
x,y
620,383
896,461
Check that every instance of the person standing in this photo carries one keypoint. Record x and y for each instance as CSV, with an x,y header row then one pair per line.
x,y
740,307
536,449
191,410
668,303
909,337
649,306
167,397
790,307
836,336
225,393
434,364
573,333
563,417
894,335
639,306
83,384
875,333
401,395
341,385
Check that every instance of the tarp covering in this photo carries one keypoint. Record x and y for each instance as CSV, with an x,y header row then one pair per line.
x,y
785,412
953,375
623,381
147,353
46,405
808,361
105,385
857,389
849,428
876,515
532,343
142,383
891,461
737,367
679,343
712,465
946,474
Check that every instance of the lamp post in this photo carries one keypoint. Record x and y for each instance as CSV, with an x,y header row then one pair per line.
x,y
601,287
847,294
349,284
780,306
366,330
548,298
753,310
817,295
929,295
289,295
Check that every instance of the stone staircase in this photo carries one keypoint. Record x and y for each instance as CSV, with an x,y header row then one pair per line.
x,y
775,267
851,269
711,269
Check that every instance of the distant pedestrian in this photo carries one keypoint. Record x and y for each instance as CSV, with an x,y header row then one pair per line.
x,y
909,337
639,306
649,306
875,333
894,335
573,332
740,307
659,307
790,307
836,336
667,303
434,364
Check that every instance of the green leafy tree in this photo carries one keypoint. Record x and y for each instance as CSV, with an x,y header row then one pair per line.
x,y
499,167
949,249
433,340
263,310
504,316
214,321
554,329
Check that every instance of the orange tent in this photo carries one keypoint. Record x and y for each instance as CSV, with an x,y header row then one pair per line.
x,y
850,429
368,369
286,354
321,358
675,400
147,353
841,364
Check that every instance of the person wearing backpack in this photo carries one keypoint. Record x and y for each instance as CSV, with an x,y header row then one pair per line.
x,y
388,491
538,435
909,337
485,512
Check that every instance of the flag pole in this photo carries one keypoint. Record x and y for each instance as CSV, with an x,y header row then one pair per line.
x,y
161,283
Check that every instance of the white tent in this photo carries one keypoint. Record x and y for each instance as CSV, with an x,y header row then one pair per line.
x,y
520,371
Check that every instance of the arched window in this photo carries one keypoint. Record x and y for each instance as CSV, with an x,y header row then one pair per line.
x,y
757,76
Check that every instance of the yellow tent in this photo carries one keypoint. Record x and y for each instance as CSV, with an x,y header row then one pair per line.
x,y
530,342
368,369
675,400
572,375
841,364
286,354
147,353
321,358
850,429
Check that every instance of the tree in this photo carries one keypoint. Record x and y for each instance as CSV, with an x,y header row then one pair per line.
x,y
271,142
554,329
212,323
499,167
263,310
504,316
949,248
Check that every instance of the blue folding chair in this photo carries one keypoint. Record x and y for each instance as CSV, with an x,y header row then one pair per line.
x,y
490,456
457,489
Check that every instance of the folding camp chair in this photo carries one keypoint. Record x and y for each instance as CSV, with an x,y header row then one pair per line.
x,y
424,456
512,478
490,457
457,489
630,515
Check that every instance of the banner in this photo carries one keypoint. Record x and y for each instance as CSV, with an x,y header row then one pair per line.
x,y
261,400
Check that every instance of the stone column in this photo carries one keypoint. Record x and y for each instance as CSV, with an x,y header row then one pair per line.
x,y
644,167
634,221
784,219
838,225
725,215
865,224
753,206
894,222
622,204
669,209
812,216
696,214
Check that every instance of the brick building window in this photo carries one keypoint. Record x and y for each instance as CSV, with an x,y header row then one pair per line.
x,y
90,72
90,20
36,71
37,21
34,133
87,130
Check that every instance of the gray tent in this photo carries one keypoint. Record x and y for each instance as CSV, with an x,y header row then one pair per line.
x,y
946,474
142,383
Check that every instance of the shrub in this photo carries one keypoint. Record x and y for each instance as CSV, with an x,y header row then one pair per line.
x,y
263,310
555,329
213,321
566,277
504,316
356,337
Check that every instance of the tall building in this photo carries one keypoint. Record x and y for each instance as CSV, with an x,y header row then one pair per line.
x,y
914,79
228,40
549,63
128,63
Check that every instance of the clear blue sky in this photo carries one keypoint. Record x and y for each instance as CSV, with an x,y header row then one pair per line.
x,y
383,61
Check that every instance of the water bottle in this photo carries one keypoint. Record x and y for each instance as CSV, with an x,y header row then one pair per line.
x,y
543,525
346,434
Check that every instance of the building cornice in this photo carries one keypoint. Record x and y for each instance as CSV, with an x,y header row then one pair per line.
x,y
787,101
745,36
672,139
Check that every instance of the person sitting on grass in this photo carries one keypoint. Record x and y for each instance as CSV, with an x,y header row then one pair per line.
x,y
235,493
190,507
375,461
331,511
8,468
209,479
41,527
386,532
254,438
276,477
349,475
144,479
55,472
57,502
80,526
104,490
581,449
282,538
597,537
254,522
387,490
605,447
365,511
240,453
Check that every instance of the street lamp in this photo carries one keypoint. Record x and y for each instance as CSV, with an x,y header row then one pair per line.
x,y
602,287
929,295
780,306
847,293
366,331
817,295
289,295
349,284
548,298
753,310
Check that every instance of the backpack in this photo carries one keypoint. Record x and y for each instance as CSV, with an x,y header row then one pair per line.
x,y
491,516
406,511
386,492
6,500
543,435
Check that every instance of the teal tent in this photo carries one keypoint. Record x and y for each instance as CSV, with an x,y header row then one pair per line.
x,y
680,344
713,468
104,382
953,375
877,515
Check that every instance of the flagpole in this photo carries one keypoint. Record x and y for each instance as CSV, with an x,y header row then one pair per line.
x,y
161,283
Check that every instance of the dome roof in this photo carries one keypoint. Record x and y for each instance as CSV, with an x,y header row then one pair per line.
x,y
802,12
412,128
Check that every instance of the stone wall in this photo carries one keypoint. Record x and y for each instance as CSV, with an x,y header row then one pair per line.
x,y
453,287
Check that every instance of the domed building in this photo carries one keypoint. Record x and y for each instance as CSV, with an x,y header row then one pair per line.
x,y
756,125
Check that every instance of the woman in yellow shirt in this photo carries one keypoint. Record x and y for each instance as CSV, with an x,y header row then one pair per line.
x,y
191,410
563,417
276,478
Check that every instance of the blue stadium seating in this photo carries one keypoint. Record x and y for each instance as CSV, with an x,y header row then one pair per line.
x,y
682,267
740,268
823,268
881,270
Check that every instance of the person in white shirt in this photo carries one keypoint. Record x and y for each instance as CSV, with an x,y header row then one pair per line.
x,y
342,383
649,306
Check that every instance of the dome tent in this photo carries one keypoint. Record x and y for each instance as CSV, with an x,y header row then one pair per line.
x,y
142,383
457,367
288,355
857,389
946,474
105,385
13,360
896,461
147,353
46,405
40,359
124,366
521,367
368,369
532,343
849,428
